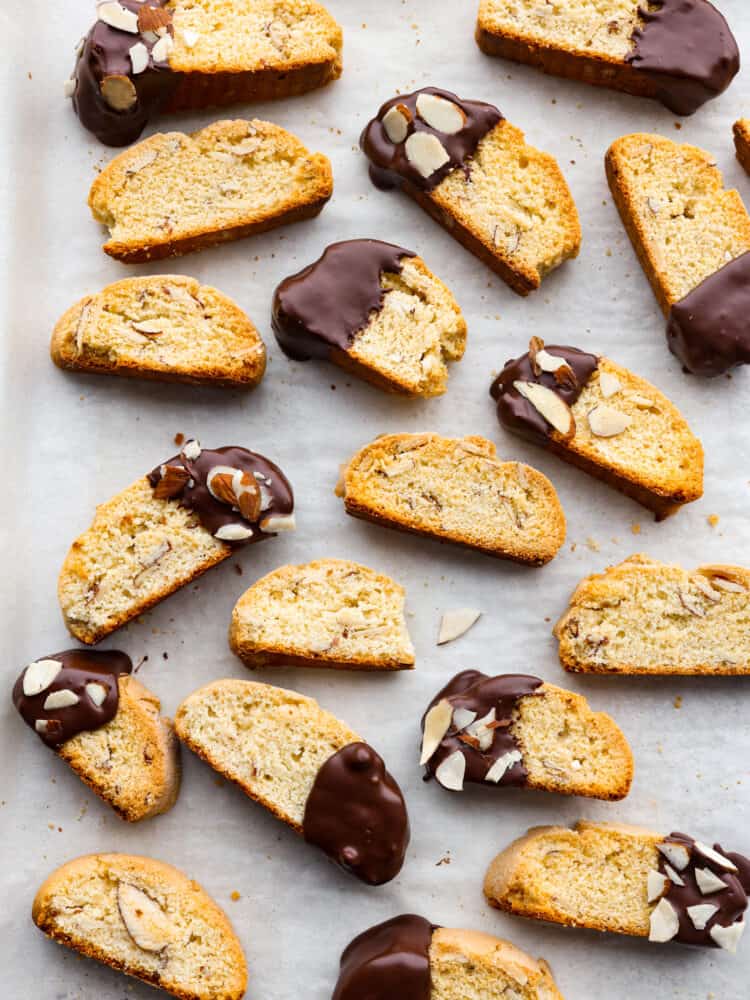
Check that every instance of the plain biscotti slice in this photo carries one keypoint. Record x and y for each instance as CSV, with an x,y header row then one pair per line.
x,y
87,707
605,420
187,515
328,613
408,956
166,327
305,766
624,879
741,131
473,172
692,237
174,193
679,52
143,57
374,309
456,490
647,617
146,919
515,729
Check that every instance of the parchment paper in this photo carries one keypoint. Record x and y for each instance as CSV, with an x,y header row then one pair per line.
x,y
70,442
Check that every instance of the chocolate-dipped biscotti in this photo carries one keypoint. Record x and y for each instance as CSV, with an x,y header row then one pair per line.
x,y
144,57
188,514
679,52
174,193
455,490
409,958
376,310
624,879
166,327
328,613
603,419
88,708
647,617
305,766
472,171
518,730
146,919
692,237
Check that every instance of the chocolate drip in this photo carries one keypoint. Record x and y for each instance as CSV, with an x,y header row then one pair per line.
x,y
709,330
106,53
79,668
479,693
389,165
390,961
357,815
687,49
731,902
517,413
326,305
276,492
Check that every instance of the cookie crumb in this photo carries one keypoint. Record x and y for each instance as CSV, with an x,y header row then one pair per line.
x,y
678,701
179,439
713,520
635,528
445,860
238,569
235,896
592,544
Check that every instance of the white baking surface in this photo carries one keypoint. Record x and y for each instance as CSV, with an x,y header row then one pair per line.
x,y
70,441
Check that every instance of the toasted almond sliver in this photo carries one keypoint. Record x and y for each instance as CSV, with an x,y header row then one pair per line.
x,y
609,384
605,421
437,722
451,772
552,407
456,623
664,922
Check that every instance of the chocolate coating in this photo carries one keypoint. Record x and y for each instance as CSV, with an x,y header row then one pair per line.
x,y
213,513
105,52
390,961
389,165
731,902
79,668
709,330
357,815
517,413
479,693
325,305
687,49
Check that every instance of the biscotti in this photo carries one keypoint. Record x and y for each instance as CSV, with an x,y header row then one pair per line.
x,y
142,58
518,730
741,130
408,957
376,310
328,613
692,237
146,919
174,193
188,514
605,420
679,52
304,765
473,172
613,877
648,617
455,490
167,327
87,707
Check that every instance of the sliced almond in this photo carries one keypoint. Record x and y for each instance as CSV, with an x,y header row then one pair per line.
x,y
145,159
440,114
247,146
456,623
728,937
701,582
152,327
69,87
700,914
145,921
248,493
451,772
672,875
396,123
60,699
97,693
463,717
426,153
605,421
437,722
664,922
483,730
677,854
219,484
709,881
119,92
555,410
138,58
549,362
398,467
656,885
117,16
642,402
191,449
233,533
274,523
190,37
160,52
712,855
173,480
503,764
153,18
39,675
609,384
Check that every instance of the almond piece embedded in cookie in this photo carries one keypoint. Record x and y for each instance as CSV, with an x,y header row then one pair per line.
x,y
144,920
119,92
554,409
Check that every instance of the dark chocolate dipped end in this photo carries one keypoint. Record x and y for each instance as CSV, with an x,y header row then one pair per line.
x,y
390,961
356,814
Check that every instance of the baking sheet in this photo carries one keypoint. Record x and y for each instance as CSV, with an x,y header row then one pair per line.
x,y
71,441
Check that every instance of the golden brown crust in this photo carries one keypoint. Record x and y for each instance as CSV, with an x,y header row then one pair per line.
x,y
48,913
741,131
